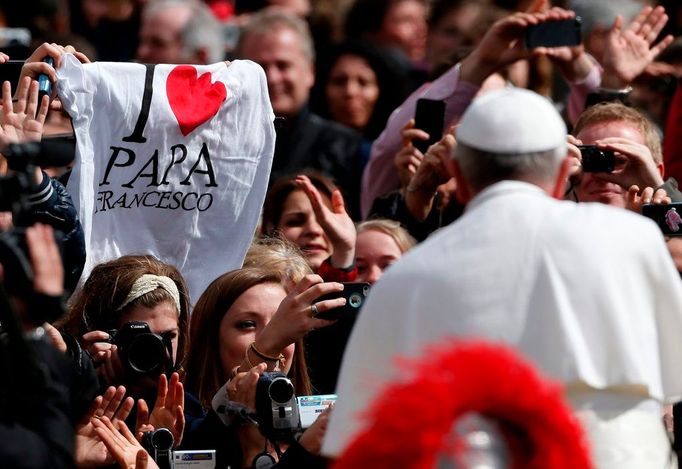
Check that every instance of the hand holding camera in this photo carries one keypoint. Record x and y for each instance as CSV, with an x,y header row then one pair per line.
x,y
634,166
504,43
296,316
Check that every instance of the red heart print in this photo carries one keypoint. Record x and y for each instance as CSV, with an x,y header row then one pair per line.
x,y
193,100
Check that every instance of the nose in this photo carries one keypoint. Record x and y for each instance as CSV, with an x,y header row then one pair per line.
x,y
272,74
142,52
373,274
312,228
351,88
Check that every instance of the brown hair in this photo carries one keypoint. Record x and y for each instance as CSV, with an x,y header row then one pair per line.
x,y
617,112
280,191
204,371
95,306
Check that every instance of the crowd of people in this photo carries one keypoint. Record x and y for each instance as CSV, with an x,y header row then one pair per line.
x,y
189,186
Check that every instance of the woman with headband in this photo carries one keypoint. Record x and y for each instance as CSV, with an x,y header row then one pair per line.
x,y
131,316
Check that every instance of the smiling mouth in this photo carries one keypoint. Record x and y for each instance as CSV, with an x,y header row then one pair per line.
x,y
313,248
606,192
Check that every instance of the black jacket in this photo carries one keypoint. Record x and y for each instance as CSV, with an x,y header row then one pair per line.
x,y
52,205
310,142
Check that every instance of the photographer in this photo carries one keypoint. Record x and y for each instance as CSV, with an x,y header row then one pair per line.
x,y
264,309
131,317
48,201
35,409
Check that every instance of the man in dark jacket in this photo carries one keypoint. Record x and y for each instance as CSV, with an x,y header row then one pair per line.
x,y
282,45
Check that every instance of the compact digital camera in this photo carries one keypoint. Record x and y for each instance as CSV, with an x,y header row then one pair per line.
x,y
597,160
276,407
141,351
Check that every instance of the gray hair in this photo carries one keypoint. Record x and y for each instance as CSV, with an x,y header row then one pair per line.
x,y
202,30
268,20
482,168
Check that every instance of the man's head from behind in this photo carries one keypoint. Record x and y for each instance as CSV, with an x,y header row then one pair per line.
x,y
510,134
180,31
282,45
613,120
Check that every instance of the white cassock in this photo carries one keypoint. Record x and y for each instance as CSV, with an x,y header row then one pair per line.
x,y
587,292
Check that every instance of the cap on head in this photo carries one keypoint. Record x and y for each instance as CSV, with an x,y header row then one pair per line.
x,y
514,121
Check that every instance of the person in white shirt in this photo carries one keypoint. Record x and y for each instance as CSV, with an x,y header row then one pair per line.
x,y
587,292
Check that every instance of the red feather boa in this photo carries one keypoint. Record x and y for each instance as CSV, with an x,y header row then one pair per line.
x,y
410,425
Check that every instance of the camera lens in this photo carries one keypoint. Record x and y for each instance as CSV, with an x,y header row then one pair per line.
x,y
281,390
146,354
162,439
355,300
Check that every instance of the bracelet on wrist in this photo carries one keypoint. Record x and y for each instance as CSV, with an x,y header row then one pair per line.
x,y
268,358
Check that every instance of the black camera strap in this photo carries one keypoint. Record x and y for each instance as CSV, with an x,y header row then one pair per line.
x,y
170,366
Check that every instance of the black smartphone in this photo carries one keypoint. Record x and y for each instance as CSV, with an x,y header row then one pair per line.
x,y
429,117
668,217
597,160
10,71
355,294
554,33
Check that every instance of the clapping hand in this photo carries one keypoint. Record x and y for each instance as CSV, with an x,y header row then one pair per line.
x,y
90,450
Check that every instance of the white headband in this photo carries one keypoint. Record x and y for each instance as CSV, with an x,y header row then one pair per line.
x,y
150,282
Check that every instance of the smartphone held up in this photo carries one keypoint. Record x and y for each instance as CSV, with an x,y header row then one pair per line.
x,y
561,33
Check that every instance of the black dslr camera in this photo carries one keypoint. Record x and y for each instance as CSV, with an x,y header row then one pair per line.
x,y
276,407
141,351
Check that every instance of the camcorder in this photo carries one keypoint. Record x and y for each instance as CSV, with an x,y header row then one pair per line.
x,y
141,351
16,189
280,414
276,407
159,444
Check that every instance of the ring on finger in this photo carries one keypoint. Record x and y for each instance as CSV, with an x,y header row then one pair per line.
x,y
313,308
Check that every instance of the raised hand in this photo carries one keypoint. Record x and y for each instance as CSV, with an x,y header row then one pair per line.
x,y
630,50
168,409
635,164
48,272
295,317
636,198
409,157
433,171
336,223
35,66
20,122
503,44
